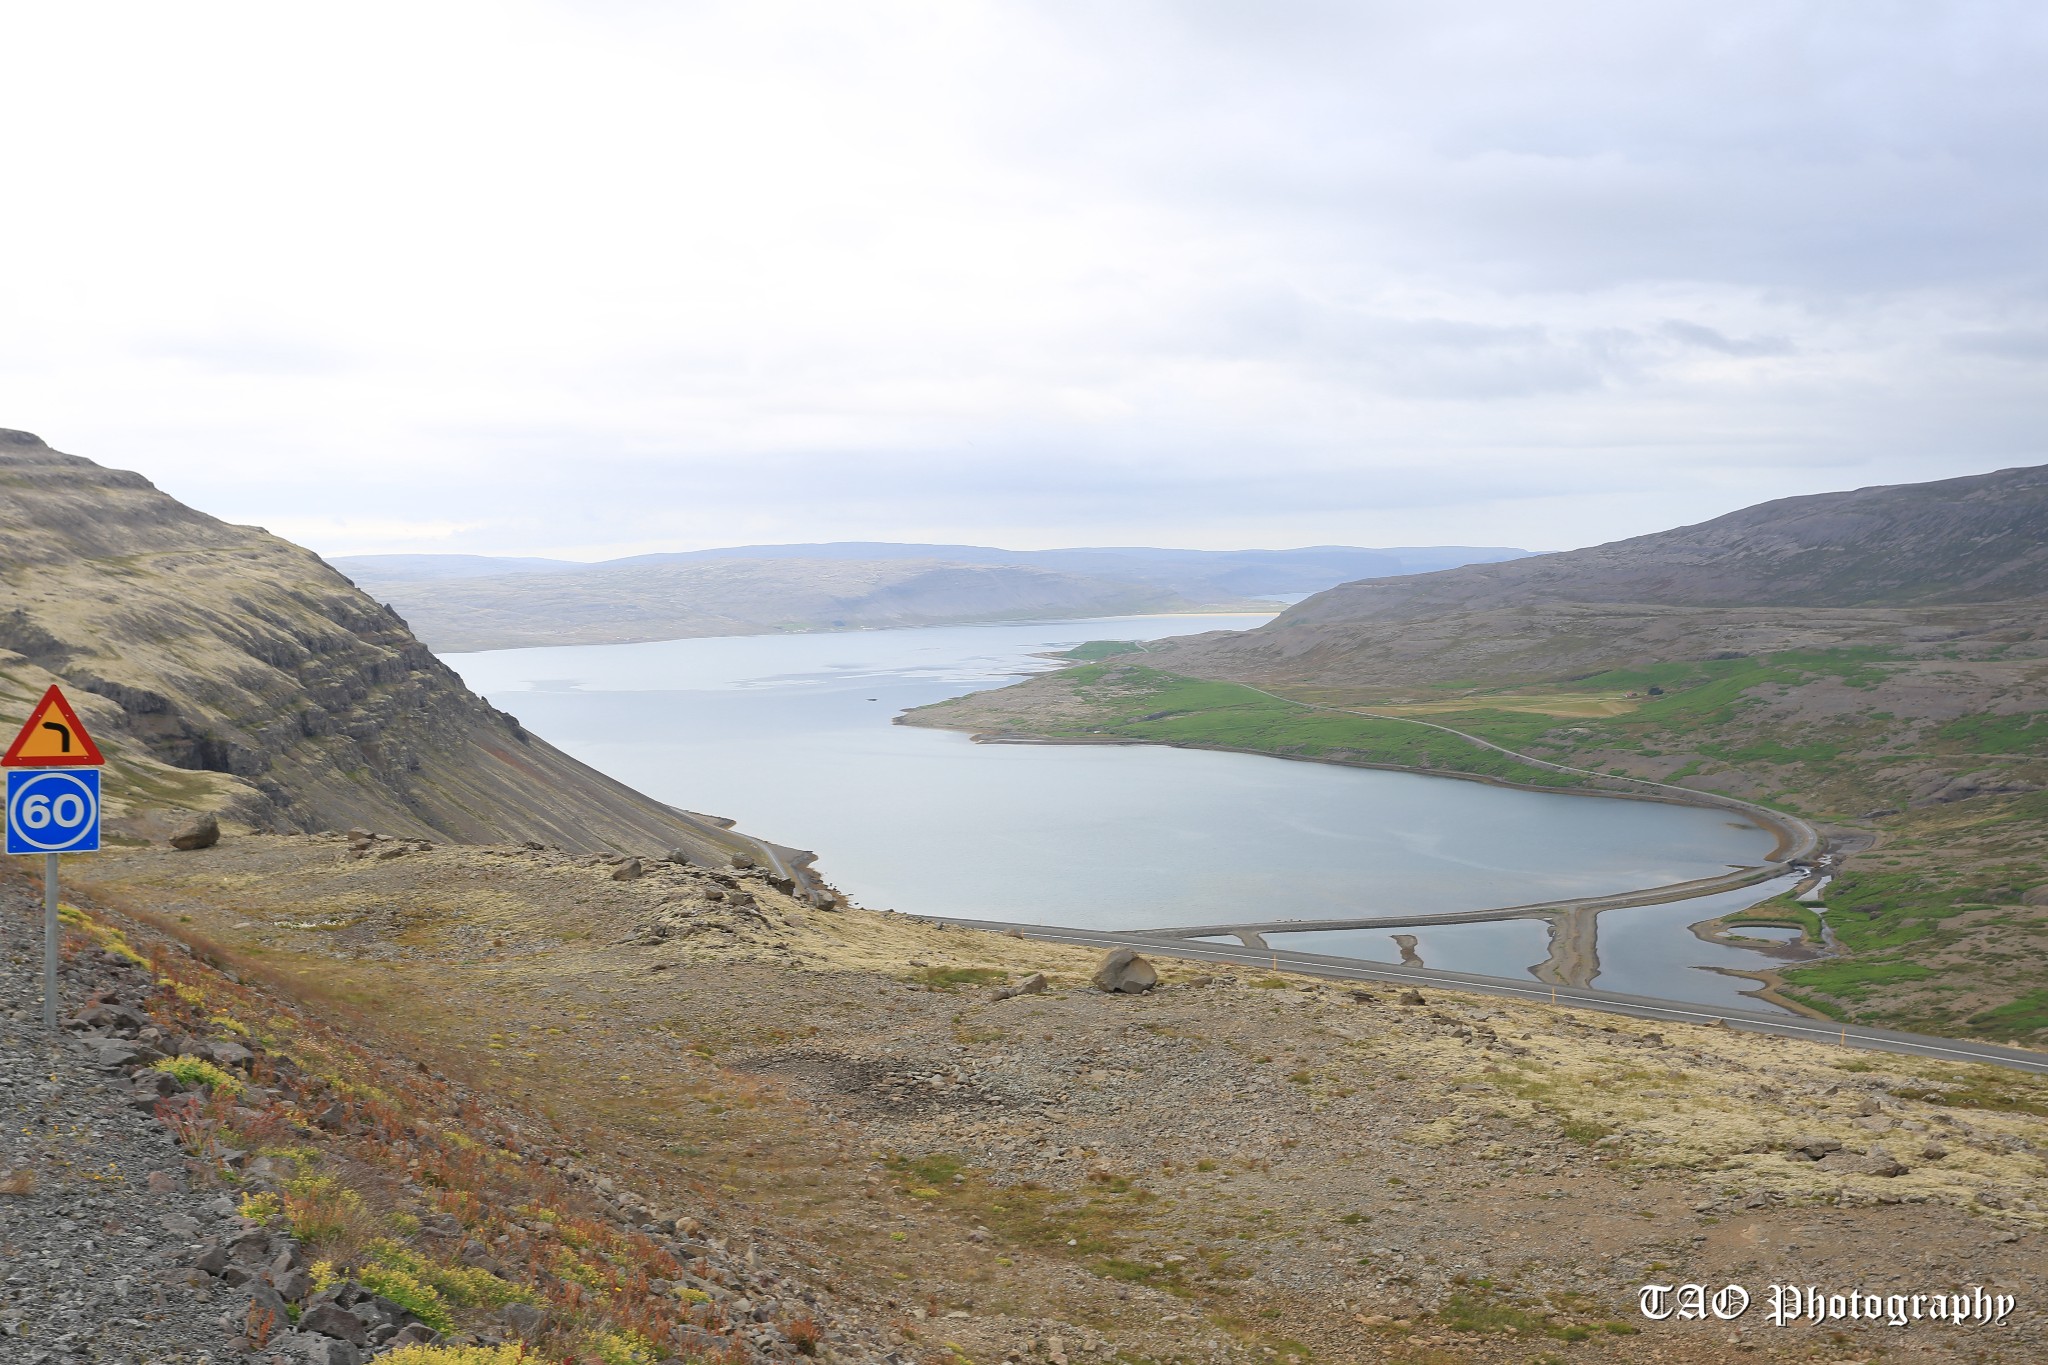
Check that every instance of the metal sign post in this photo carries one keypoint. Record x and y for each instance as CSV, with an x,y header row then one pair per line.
x,y
53,807
50,942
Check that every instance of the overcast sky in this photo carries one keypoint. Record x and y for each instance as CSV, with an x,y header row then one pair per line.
x,y
601,278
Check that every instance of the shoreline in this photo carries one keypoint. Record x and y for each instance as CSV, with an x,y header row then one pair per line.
x,y
1796,839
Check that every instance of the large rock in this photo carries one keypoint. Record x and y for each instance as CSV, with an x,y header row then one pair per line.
x,y
310,1348
523,1319
1812,1148
1123,971
202,832
265,1316
331,1320
1033,984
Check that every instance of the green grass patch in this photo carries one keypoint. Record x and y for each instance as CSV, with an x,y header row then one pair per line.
x,y
189,1070
2017,1018
2026,733
2004,1092
1092,1223
1094,651
1585,1131
1476,1310
1144,703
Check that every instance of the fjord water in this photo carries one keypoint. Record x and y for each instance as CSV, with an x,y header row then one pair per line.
x,y
791,736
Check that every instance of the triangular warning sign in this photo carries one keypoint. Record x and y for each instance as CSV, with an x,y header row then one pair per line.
x,y
53,738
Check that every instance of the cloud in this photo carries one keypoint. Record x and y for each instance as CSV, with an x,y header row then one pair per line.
x,y
547,275
2020,343
1707,339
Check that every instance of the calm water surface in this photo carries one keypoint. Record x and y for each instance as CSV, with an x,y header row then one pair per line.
x,y
1643,949
791,736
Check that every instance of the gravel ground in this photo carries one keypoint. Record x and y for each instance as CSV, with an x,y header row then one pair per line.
x,y
91,1249
1250,1168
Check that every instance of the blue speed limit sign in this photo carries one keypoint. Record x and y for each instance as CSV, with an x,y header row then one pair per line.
x,y
53,810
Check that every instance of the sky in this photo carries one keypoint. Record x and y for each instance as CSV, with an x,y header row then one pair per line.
x,y
612,277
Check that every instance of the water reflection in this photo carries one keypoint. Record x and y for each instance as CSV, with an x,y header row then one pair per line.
x,y
1640,950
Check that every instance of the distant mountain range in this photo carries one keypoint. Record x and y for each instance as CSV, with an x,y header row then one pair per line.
x,y
469,602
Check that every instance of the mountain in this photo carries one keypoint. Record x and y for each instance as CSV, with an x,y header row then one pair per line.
x,y
460,602
633,601
1980,538
1887,566
225,669
1874,661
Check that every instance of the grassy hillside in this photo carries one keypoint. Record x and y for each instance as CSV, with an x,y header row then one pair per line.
x,y
226,669
1874,661
1926,772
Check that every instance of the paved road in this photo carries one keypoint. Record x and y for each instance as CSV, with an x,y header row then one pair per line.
x,y
1656,895
1611,1002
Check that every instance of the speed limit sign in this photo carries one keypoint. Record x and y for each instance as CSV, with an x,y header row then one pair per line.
x,y
53,810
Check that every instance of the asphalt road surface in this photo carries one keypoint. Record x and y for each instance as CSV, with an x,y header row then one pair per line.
x,y
1612,1002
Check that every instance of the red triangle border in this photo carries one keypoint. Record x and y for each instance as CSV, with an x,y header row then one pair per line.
x,y
88,755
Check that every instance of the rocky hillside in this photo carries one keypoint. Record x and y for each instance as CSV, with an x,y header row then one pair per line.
x,y
225,669
629,1122
1983,538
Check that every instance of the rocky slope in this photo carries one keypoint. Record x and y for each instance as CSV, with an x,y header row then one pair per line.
x,y
746,1118
222,668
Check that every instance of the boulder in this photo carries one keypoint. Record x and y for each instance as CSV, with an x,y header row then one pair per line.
x,y
1846,1162
332,1320
115,1054
1412,998
741,860
266,1314
1123,971
1811,1148
201,832
628,871
1033,984
523,1320
232,1055
308,1348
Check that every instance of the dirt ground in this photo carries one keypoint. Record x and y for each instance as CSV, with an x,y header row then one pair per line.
x,y
1256,1168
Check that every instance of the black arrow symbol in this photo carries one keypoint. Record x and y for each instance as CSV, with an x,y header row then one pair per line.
x,y
63,735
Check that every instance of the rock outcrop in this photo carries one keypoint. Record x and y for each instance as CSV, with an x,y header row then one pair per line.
x,y
224,669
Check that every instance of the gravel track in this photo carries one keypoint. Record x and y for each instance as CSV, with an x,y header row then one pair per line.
x,y
89,1256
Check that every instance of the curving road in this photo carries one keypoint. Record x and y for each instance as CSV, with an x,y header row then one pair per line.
x,y
1577,997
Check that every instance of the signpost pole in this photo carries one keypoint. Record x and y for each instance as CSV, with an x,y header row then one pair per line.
x,y
53,806
50,943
